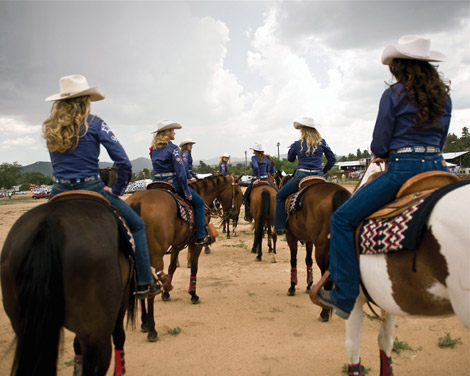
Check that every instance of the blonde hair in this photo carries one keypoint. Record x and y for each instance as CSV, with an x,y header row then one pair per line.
x,y
185,147
62,129
259,154
221,160
161,139
312,138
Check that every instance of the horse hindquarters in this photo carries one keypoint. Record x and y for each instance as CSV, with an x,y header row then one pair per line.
x,y
260,223
39,285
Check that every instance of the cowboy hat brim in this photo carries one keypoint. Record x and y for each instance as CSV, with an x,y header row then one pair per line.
x,y
298,125
168,126
392,52
95,93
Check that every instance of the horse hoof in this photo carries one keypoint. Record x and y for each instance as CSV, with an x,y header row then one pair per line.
x,y
166,297
152,337
325,314
207,250
144,328
273,259
307,290
195,299
291,292
258,258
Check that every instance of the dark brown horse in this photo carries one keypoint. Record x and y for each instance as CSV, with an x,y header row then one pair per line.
x,y
61,266
231,200
165,230
263,207
310,224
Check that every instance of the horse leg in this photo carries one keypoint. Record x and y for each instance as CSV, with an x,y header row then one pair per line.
x,y
292,243
309,264
119,337
97,356
171,271
228,228
152,334
195,252
387,327
322,259
78,358
353,338
143,316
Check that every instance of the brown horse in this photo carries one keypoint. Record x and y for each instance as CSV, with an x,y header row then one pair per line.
x,y
166,229
61,266
263,207
231,200
310,224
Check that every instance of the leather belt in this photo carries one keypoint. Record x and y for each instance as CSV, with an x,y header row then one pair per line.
x,y
165,174
77,180
305,170
417,149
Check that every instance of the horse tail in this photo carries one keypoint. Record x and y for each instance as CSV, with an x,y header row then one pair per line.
x,y
265,206
339,197
41,301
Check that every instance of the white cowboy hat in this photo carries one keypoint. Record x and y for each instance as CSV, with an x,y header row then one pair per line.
x,y
227,155
306,122
163,125
74,86
411,47
186,141
257,147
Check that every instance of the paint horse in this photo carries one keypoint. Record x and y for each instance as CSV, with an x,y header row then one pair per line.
x,y
63,265
432,280
310,224
166,230
231,200
263,207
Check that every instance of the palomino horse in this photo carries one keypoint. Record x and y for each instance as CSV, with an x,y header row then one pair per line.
x,y
263,207
432,280
61,266
166,229
311,225
231,200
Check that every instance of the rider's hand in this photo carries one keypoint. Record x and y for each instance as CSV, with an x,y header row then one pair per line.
x,y
189,198
192,180
109,190
378,160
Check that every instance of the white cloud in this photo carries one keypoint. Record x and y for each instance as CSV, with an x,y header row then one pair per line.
x,y
12,127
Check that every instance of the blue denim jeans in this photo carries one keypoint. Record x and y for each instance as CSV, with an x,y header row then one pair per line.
x,y
344,267
136,225
197,202
289,188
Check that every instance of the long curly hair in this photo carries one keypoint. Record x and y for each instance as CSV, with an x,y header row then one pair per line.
x,y
259,154
312,138
424,88
63,129
161,139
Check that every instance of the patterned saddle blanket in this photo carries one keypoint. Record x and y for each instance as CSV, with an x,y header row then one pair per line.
x,y
400,224
185,209
126,240
294,201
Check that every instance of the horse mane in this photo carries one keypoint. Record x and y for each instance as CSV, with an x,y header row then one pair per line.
x,y
209,182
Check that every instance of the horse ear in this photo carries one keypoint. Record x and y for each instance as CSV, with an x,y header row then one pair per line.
x,y
238,179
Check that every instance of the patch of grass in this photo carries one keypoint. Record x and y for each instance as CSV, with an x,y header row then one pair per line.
x,y
174,332
250,293
345,370
240,244
448,342
371,317
399,346
275,310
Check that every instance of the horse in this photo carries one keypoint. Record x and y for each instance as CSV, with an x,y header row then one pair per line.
x,y
263,207
165,229
231,200
431,280
62,265
310,224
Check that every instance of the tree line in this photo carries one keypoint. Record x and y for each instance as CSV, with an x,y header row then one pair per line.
x,y
11,175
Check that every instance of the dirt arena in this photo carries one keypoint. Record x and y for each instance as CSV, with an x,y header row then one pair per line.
x,y
246,324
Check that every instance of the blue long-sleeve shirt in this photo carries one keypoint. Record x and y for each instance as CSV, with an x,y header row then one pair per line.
x,y
271,169
223,168
310,161
168,160
259,168
394,127
83,161
188,164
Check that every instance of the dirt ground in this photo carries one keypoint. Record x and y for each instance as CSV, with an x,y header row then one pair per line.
x,y
246,324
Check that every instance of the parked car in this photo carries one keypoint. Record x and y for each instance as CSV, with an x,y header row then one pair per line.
x,y
41,195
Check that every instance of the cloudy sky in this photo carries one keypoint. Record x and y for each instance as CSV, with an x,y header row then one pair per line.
x,y
231,72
